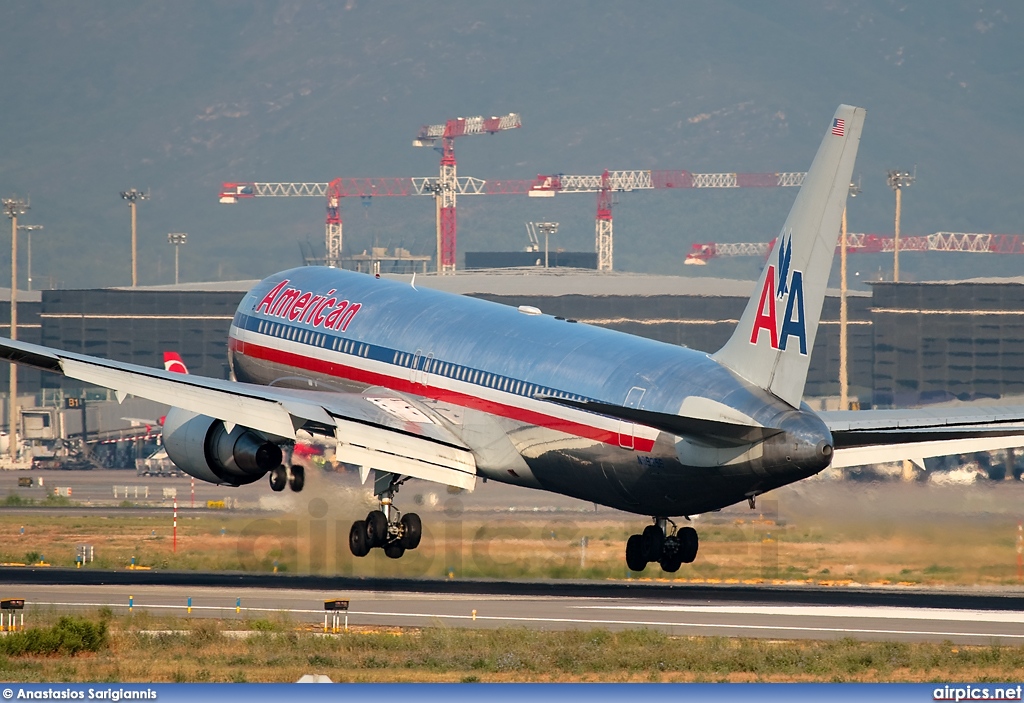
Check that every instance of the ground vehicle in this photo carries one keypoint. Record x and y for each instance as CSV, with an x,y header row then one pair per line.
x,y
157,464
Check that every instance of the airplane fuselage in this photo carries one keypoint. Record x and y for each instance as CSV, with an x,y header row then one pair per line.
x,y
481,368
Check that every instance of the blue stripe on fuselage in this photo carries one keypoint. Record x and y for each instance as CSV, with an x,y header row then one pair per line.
x,y
302,334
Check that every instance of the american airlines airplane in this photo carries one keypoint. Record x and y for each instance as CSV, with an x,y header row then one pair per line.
x,y
417,383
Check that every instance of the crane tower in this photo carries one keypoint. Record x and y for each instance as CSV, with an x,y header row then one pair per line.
x,y
447,183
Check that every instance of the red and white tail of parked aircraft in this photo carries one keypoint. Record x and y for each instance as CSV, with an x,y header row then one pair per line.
x,y
173,363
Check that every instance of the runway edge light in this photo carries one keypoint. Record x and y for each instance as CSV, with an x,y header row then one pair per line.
x,y
8,606
335,606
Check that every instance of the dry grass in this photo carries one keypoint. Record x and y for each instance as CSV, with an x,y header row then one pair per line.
x,y
198,652
867,551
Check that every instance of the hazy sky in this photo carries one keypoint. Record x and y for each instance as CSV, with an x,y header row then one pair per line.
x,y
179,97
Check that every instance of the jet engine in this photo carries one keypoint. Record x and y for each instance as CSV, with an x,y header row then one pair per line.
x,y
202,447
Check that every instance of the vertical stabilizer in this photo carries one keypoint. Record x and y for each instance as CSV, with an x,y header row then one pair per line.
x,y
772,344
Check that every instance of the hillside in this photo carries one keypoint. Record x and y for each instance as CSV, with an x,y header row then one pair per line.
x,y
178,97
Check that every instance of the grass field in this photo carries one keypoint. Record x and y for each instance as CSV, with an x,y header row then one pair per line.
x,y
735,549
894,542
143,648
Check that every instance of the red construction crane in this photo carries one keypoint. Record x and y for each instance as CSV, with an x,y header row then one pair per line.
x,y
339,188
624,181
970,242
447,181
604,185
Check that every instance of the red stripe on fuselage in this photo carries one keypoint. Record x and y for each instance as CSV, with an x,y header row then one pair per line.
x,y
372,378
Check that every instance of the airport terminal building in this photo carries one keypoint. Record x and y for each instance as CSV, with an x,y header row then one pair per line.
x,y
909,343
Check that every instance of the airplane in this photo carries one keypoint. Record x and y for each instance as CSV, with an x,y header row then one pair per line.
x,y
417,383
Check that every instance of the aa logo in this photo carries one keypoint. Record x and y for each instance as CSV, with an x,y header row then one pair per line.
x,y
781,288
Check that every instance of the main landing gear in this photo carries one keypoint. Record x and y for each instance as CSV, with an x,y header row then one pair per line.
x,y
281,477
656,544
387,527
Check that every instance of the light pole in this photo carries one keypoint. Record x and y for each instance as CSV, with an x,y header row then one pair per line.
x,y
898,180
12,208
548,228
132,196
30,229
178,239
844,377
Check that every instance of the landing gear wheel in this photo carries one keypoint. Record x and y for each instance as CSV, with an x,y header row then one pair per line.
x,y
278,479
297,477
671,560
412,531
377,528
688,544
394,550
654,541
358,541
636,553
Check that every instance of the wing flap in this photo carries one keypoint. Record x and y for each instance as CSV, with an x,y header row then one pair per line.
x,y
385,450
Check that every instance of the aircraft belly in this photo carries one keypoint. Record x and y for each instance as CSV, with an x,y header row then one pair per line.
x,y
653,483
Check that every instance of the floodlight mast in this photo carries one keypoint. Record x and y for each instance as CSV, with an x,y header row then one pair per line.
x,y
12,208
132,196
548,228
898,180
178,239
844,384
30,229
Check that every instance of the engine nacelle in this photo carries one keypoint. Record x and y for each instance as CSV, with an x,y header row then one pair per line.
x,y
201,446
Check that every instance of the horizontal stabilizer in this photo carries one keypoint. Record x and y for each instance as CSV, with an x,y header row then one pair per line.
x,y
879,436
699,428
924,448
855,438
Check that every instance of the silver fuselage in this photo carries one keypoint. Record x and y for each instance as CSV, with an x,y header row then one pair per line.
x,y
481,369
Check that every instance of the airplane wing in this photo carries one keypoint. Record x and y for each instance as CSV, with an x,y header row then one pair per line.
x,y
379,429
878,436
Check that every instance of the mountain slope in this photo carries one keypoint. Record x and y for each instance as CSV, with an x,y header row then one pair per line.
x,y
178,97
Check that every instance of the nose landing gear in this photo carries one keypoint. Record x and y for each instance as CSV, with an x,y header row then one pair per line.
x,y
657,544
387,528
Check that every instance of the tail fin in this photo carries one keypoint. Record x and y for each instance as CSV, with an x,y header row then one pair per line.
x,y
173,363
772,343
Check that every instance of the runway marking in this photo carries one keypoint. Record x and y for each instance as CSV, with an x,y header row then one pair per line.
x,y
141,606
890,613
593,622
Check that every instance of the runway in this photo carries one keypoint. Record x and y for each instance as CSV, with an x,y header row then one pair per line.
x,y
774,613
